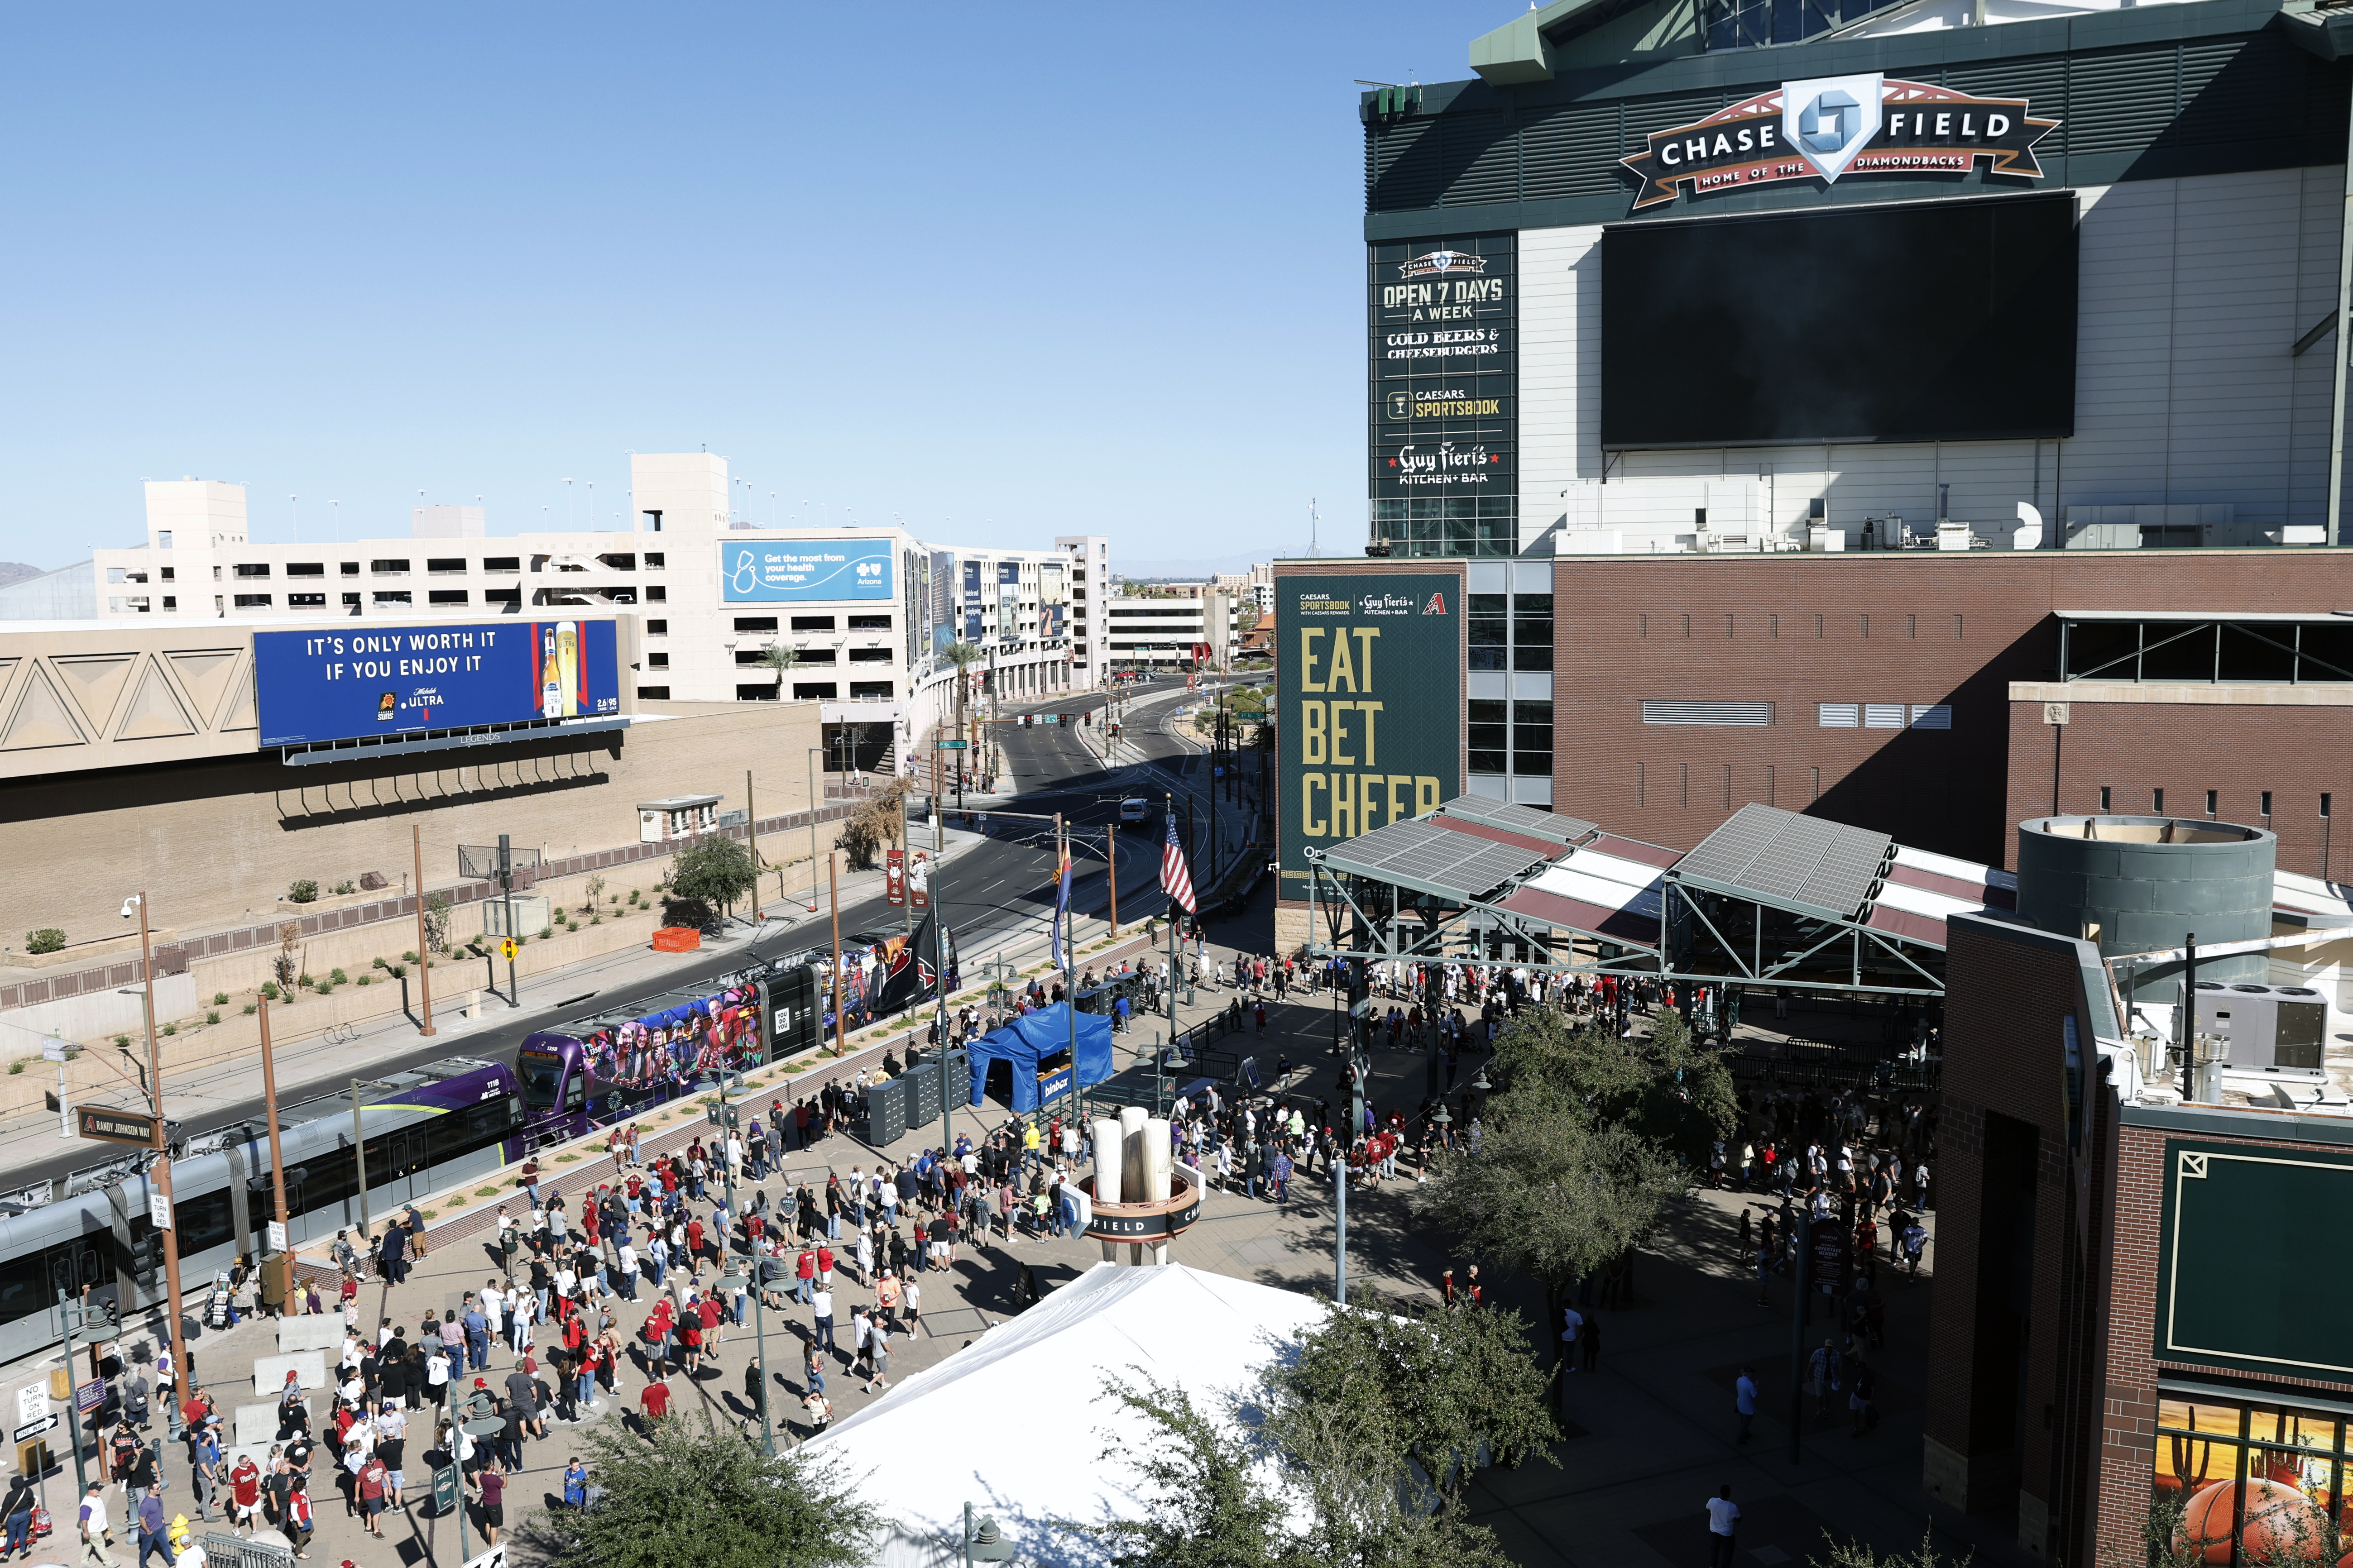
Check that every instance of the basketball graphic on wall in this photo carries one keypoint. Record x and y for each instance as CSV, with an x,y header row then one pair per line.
x,y
2278,1523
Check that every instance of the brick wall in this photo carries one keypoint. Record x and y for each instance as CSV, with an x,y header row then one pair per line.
x,y
2132,748
1620,637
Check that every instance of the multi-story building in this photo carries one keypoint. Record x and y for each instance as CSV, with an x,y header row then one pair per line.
x,y
1091,590
863,612
1176,625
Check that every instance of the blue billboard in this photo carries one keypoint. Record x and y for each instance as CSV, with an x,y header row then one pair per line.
x,y
315,687
791,571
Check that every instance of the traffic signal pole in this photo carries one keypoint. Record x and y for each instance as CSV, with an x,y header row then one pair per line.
x,y
161,1177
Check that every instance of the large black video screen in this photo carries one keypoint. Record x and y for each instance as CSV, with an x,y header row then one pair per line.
x,y
1935,321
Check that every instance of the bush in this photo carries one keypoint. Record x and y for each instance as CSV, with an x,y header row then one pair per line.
x,y
376,964
304,980
305,891
633,897
213,1018
362,980
250,1009
597,920
48,939
338,977
341,888
122,1042
16,1067
171,1028
220,998
408,958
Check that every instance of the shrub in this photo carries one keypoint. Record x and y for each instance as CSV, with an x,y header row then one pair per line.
x,y
250,1009
213,1018
220,998
597,920
408,958
362,980
16,1067
171,1028
341,888
376,964
304,980
269,992
48,939
122,1042
304,891
338,977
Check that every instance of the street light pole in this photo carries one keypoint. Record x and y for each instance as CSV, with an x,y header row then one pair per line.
x,y
424,967
759,1317
163,1167
813,750
751,837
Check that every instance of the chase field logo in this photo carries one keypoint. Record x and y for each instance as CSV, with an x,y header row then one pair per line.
x,y
1443,264
1831,126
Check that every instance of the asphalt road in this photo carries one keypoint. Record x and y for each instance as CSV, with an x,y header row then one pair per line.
x,y
986,890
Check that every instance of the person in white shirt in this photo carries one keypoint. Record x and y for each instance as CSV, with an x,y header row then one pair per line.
x,y
1722,1519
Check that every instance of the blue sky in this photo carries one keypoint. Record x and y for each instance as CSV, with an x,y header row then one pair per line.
x,y
1035,269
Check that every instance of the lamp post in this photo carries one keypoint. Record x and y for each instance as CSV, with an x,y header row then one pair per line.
x,y
725,1117
182,1362
813,752
984,1545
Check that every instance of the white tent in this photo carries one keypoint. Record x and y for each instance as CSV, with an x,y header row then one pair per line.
x,y
1012,1423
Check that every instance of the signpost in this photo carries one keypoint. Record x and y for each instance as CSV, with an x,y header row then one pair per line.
x,y
507,950
159,1211
116,1126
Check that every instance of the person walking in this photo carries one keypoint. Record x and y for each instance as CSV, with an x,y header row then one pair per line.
x,y
1571,1321
1743,1399
1722,1519
96,1539
822,1303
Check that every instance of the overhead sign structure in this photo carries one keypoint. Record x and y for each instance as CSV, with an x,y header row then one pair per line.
x,y
1368,706
795,571
1830,126
116,1126
317,686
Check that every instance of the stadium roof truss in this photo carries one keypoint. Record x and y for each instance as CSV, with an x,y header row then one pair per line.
x,y
1771,899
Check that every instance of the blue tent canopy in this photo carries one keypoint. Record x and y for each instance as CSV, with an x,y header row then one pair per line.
x,y
1029,1039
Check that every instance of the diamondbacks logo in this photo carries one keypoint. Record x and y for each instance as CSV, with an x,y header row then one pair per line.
x,y
1437,605
1831,126
1443,264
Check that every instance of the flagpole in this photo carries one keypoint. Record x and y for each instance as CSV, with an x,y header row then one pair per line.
x,y
1069,959
1168,813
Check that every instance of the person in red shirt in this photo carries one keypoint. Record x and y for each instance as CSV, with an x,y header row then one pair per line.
x,y
694,1246
245,1495
655,1401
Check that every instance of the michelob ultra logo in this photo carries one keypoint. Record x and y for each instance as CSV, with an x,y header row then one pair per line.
x,y
1830,126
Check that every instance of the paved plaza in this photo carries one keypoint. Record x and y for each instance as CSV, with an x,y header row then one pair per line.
x,y
1650,1434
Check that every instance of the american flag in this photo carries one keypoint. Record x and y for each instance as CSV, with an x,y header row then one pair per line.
x,y
1175,879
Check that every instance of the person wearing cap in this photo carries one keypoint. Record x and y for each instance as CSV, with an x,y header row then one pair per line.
x,y
150,1515
96,1533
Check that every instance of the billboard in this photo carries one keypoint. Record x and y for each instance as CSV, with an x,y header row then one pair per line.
x,y
796,571
1368,706
315,687
1445,370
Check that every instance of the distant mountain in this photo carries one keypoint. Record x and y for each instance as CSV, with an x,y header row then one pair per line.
x,y
17,571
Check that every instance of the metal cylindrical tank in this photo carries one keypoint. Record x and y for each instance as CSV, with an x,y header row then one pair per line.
x,y
2135,884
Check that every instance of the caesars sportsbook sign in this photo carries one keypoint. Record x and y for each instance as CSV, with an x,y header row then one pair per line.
x,y
1369,716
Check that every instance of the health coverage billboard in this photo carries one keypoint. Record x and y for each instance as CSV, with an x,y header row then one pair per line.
x,y
315,687
1368,711
797,571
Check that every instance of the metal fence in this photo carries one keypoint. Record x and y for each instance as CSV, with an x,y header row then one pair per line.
x,y
236,1552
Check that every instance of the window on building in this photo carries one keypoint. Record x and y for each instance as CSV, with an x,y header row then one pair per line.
x,y
656,629
444,564
874,689
348,568
2105,807
2267,794
756,623
656,661
655,558
811,623
502,563
351,603
390,567
306,569
815,691
1490,735
2216,1459
1490,631
446,596
1532,739
653,693
657,595
2157,801
870,656
511,597
170,603
1532,632
763,691
2210,803
250,568
162,539
395,596
253,601
306,601
166,573
869,623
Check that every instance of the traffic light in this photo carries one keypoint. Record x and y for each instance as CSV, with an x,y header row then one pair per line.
x,y
147,1254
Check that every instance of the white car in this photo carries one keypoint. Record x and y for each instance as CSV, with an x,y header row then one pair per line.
x,y
1133,808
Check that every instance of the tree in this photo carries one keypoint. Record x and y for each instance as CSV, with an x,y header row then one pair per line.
x,y
877,823
713,869
1373,1390
780,658
699,1497
963,656
1555,1192
1665,1087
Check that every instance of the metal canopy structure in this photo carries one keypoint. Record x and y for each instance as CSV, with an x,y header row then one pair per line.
x,y
1772,899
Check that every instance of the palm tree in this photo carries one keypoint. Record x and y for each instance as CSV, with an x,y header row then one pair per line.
x,y
780,658
964,656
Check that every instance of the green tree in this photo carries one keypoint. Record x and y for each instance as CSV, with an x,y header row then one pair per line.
x,y
1665,1087
714,869
1207,1503
963,656
781,660
698,1496
1556,1191
1372,1390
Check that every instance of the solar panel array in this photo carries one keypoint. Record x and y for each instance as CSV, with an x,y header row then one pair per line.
x,y
1527,819
1782,857
1456,863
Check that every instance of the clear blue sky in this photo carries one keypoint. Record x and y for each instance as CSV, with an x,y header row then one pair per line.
x,y
1066,268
